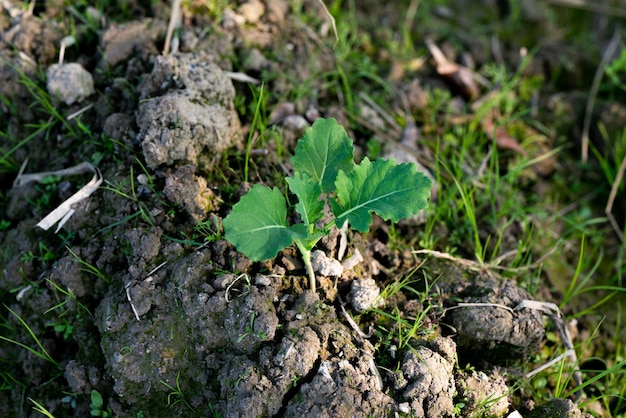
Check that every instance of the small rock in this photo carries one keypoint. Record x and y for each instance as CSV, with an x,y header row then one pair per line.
x,y
252,11
232,20
404,408
281,111
364,295
255,61
295,123
372,116
325,266
70,83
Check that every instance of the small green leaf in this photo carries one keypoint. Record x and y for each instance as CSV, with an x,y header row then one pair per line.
x,y
324,150
96,399
309,205
257,225
392,191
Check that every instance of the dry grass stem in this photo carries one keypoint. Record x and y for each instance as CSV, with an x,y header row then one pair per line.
x,y
609,204
595,86
171,43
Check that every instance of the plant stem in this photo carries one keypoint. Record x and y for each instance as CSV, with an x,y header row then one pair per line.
x,y
306,257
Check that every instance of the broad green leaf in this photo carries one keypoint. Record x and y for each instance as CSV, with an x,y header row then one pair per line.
x,y
257,226
309,205
392,191
324,150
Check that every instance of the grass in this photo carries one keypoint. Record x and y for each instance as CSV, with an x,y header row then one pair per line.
x,y
40,351
395,327
479,204
129,191
257,122
41,409
490,209
65,307
176,395
87,268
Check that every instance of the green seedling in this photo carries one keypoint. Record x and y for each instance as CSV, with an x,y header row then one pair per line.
x,y
41,409
250,331
324,171
176,392
97,405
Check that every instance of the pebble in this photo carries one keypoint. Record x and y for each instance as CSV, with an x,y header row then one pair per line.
x,y
70,83
364,295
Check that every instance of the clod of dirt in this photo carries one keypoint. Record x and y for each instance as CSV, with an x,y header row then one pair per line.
x,y
145,245
140,354
81,378
483,395
324,265
68,272
248,389
9,77
186,109
494,333
346,382
190,192
70,83
123,42
342,388
254,60
428,380
257,389
276,10
364,295
558,408
37,38
16,268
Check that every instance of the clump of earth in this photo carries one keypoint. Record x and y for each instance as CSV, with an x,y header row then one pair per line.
x,y
165,323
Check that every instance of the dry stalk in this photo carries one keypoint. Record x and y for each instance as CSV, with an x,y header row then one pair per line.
x,y
609,204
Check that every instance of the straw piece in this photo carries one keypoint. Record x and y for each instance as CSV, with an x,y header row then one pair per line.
x,y
66,209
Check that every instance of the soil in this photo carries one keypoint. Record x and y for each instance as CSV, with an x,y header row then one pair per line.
x,y
166,321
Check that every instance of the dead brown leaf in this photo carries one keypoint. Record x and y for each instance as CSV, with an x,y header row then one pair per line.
x,y
499,135
462,77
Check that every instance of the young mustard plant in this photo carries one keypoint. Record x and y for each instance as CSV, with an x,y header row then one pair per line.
x,y
324,171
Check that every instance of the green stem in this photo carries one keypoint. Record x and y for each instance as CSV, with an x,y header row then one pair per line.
x,y
306,257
